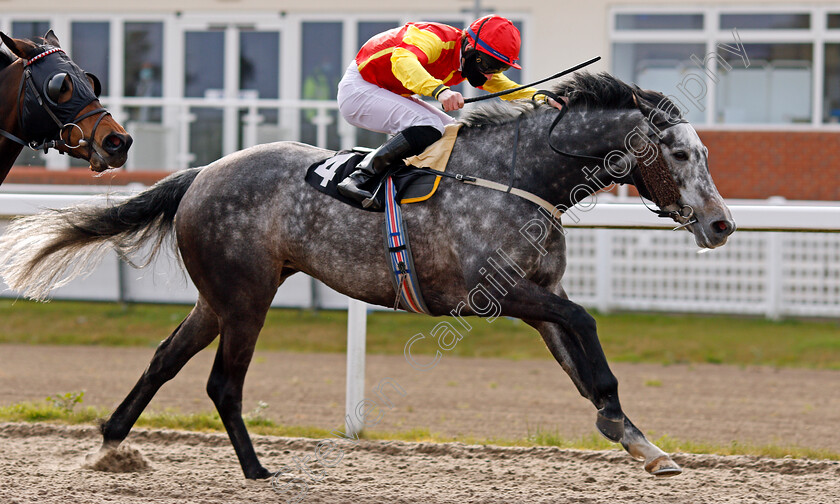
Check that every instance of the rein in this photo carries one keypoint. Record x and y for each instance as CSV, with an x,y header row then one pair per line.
x,y
27,83
525,86
652,169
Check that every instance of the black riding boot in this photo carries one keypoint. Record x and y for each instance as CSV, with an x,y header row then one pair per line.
x,y
377,162
406,143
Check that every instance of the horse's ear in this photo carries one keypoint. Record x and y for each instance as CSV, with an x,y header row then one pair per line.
x,y
12,44
650,111
51,39
663,112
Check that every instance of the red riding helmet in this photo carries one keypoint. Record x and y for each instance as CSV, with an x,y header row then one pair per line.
x,y
496,36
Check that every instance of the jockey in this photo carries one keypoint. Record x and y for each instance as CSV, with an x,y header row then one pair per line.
x,y
379,89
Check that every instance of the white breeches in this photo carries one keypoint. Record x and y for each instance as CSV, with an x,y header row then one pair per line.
x,y
373,108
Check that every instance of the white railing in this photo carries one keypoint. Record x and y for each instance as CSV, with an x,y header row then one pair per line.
x,y
783,261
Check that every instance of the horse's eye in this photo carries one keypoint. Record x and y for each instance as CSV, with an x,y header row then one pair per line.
x,y
680,155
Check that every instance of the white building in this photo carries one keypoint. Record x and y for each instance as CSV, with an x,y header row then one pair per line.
x,y
201,79
193,80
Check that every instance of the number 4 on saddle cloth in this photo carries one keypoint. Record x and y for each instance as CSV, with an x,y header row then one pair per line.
x,y
400,187
411,186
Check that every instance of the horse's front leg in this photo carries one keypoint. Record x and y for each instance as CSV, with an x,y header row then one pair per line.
x,y
570,334
563,348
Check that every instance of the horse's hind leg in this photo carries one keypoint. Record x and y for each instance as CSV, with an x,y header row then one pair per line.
x,y
239,332
193,334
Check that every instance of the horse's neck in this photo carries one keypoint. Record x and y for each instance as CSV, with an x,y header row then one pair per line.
x,y
565,181
9,150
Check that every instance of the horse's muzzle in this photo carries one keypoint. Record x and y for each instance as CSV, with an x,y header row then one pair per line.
x,y
116,144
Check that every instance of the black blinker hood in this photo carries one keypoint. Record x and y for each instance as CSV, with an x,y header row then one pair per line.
x,y
36,122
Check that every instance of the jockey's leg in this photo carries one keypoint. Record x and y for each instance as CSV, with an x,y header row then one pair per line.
x,y
414,124
406,143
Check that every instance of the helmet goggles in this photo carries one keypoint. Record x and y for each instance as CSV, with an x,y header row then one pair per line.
x,y
489,65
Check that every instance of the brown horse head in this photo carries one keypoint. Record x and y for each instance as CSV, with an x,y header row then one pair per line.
x,y
57,105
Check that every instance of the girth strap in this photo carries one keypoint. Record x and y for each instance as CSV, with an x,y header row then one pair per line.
x,y
404,276
467,179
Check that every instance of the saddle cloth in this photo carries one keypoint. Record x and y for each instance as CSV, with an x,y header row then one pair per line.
x,y
410,186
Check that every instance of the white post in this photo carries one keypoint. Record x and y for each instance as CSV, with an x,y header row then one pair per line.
x,y
356,333
603,269
773,284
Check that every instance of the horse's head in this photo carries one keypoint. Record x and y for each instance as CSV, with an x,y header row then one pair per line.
x,y
58,106
672,169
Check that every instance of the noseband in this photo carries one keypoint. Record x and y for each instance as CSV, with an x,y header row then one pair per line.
x,y
29,91
652,169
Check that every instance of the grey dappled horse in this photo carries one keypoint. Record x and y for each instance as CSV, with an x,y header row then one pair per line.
x,y
247,222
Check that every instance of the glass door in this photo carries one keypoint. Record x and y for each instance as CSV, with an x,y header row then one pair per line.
x,y
235,68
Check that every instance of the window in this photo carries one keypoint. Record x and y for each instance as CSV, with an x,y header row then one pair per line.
x,y
660,67
143,68
754,21
32,30
259,63
204,77
775,88
321,69
143,59
659,22
759,65
259,77
831,81
90,47
514,73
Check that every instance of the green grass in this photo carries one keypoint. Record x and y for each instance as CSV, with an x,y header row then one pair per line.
x,y
626,337
46,411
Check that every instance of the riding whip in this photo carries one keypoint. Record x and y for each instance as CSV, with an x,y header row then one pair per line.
x,y
560,74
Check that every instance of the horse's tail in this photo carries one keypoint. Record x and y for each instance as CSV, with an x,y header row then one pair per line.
x,y
42,252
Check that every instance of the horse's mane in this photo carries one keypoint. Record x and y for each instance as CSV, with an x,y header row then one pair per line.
x,y
6,58
585,90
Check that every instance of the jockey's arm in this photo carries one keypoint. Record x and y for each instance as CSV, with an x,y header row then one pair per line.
x,y
418,46
498,82
408,69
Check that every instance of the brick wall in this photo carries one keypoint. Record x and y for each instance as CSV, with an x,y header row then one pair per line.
x,y
80,176
759,164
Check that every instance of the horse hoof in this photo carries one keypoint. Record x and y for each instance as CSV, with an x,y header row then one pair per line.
x,y
612,429
663,466
260,473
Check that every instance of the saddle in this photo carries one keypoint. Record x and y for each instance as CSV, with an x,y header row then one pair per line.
x,y
410,186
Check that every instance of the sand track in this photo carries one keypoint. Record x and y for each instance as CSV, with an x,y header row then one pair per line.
x,y
44,463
